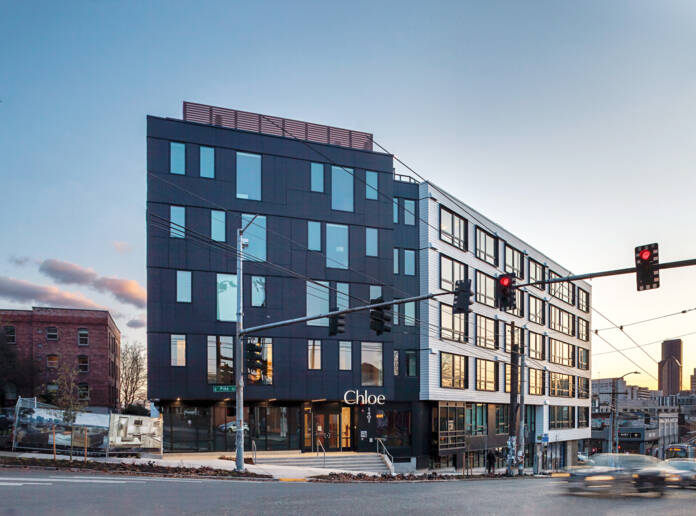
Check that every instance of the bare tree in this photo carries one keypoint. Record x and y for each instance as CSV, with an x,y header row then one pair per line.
x,y
69,397
133,374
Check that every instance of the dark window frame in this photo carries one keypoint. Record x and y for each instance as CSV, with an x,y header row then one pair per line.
x,y
451,239
495,368
482,255
463,366
515,252
460,335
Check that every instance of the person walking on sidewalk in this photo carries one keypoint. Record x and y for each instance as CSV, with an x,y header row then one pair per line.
x,y
490,462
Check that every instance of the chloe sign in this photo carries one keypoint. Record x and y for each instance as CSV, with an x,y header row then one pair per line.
x,y
355,397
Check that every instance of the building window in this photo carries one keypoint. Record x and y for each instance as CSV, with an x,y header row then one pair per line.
x,y
411,369
178,350
177,221
452,326
207,162
583,417
10,335
51,361
82,391
51,333
583,387
371,185
453,371
514,262
536,273
342,296
83,337
342,188
502,419
371,242
227,297
317,302
560,320
561,417
396,362
508,377
262,375
83,364
396,261
317,177
583,359
583,300
220,360
371,370
453,229
536,346
409,212
183,286
536,382
313,235
486,247
583,329
410,313
561,353
536,310
248,176
561,385
485,289
395,210
375,292
451,271
258,291
217,225
255,233
486,333
486,375
563,290
336,246
476,418
409,262
519,304
395,315
519,339
177,158
313,354
345,355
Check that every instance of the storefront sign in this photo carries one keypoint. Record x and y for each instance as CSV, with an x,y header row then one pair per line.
x,y
355,397
224,388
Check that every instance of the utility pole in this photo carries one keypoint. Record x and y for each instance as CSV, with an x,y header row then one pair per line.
x,y
514,360
239,354
520,446
614,419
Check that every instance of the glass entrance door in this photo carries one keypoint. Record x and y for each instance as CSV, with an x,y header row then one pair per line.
x,y
329,426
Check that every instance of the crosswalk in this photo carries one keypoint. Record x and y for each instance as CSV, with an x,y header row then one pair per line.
x,y
49,480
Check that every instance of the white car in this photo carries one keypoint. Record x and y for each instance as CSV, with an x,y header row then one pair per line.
x,y
231,426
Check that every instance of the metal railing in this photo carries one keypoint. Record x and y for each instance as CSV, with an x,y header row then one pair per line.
x,y
320,445
385,453
253,450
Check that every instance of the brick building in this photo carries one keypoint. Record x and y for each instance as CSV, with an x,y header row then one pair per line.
x,y
44,337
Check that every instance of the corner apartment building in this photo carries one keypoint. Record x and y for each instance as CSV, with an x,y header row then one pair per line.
x,y
335,227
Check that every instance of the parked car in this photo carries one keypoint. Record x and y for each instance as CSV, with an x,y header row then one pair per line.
x,y
582,458
231,426
682,472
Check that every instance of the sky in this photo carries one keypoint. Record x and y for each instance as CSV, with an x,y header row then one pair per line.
x,y
571,124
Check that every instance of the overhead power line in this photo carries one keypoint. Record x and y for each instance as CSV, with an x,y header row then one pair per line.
x,y
624,332
622,326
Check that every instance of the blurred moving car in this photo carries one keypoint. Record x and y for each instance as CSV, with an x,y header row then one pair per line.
x,y
582,458
682,472
617,473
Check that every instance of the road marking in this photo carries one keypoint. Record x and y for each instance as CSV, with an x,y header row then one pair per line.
x,y
30,479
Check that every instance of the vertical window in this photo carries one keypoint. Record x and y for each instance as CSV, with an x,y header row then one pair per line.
x,y
536,346
410,357
562,321
536,273
177,158
453,371
217,225
345,355
583,417
396,362
564,290
83,364
451,271
375,292
317,301
409,212
583,387
453,229
248,176
485,289
486,334
561,385
371,370
371,242
452,326
177,221
313,354
342,296
262,373
486,375
536,310
207,162
561,353
51,333
178,350
371,185
536,382
183,286
336,246
583,329
583,359
82,337
486,247
51,361
10,335
255,233
514,262
227,297
83,391
519,341
409,262
583,300
342,188
395,315
502,419
410,313
258,291
396,261
519,304
508,378
313,235
395,214
317,179
220,360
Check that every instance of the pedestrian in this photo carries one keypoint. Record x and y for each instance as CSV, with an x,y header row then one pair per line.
x,y
490,462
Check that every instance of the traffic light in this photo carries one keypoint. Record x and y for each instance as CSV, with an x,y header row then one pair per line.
x,y
647,272
462,297
254,355
337,323
505,292
381,317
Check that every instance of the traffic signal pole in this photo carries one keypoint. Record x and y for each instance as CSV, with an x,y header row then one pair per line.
x,y
239,355
512,423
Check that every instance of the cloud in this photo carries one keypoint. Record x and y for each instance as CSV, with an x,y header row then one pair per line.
x,y
25,292
126,291
19,260
121,247
67,273
138,322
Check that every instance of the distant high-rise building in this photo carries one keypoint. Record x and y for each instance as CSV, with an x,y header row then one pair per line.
x,y
693,381
670,367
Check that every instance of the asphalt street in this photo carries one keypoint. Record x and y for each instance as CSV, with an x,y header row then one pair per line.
x,y
49,492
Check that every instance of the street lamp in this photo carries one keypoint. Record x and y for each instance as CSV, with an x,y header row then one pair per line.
x,y
615,419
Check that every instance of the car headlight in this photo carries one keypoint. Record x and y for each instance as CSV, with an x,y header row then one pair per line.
x,y
673,478
599,478
635,475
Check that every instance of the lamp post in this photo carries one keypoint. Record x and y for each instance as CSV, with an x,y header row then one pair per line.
x,y
614,407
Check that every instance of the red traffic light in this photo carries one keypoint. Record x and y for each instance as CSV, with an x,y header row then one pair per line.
x,y
645,255
505,281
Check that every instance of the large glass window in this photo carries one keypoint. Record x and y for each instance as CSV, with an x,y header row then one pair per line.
x,y
258,291
536,345
514,261
561,385
342,188
563,290
536,273
409,212
313,235
207,162
583,417
410,313
561,417
371,242
536,381
345,355
10,335
485,289
217,225
486,247
502,419
583,329
177,158
371,370
583,359
477,418
536,310
183,286
508,378
583,387
411,369
317,301
583,300
178,350
452,326
262,375
375,292
451,271
313,354
371,185
486,334
561,353
395,210
519,304
248,176
560,320
396,261
177,221
452,228
227,297
453,371
220,359
519,340
409,262
486,375
336,246
255,233
396,362
317,179
342,296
